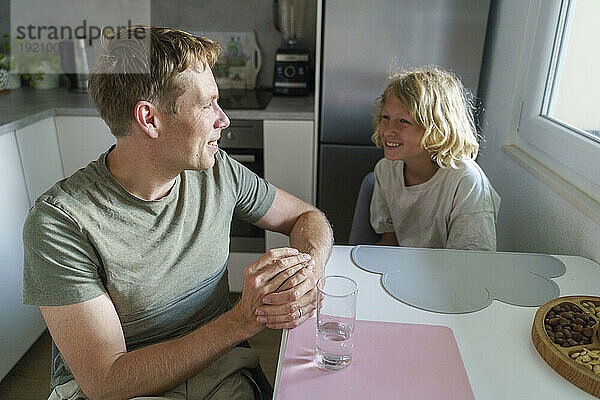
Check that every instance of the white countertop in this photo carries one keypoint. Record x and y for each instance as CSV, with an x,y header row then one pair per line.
x,y
495,343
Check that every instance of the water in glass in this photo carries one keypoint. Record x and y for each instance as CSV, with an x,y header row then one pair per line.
x,y
334,345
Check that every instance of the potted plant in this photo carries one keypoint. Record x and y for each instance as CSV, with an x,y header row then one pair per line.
x,y
31,79
6,62
3,74
46,74
39,69
42,69
4,67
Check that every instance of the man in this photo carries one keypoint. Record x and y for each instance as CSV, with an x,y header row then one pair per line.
x,y
126,258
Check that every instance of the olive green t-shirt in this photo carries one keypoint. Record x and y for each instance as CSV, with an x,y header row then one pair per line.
x,y
161,261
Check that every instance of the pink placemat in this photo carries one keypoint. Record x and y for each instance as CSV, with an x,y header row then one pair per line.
x,y
389,361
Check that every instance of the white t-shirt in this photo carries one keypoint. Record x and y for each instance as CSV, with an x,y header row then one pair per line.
x,y
455,209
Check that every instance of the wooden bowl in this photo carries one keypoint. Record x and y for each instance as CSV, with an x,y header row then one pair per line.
x,y
559,356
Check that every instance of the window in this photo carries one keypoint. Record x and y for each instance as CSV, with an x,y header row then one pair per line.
x,y
559,125
573,94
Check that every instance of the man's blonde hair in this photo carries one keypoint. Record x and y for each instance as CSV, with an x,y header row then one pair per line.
x,y
142,63
438,102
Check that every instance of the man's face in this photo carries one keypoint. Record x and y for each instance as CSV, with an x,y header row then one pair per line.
x,y
191,135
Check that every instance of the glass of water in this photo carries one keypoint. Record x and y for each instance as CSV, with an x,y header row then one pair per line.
x,y
336,313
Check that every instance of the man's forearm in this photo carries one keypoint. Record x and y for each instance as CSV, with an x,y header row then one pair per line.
x,y
312,234
159,367
294,301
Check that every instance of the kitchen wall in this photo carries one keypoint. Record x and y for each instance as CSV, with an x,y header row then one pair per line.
x,y
533,218
4,17
222,14
235,14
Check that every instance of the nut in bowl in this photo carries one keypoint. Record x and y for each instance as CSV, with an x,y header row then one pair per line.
x,y
589,359
593,308
565,334
567,324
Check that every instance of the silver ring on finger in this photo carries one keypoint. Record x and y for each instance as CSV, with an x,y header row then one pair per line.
x,y
299,312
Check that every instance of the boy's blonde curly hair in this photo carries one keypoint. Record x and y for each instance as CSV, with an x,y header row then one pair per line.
x,y
439,103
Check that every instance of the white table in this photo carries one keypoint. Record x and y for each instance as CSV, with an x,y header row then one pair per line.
x,y
495,343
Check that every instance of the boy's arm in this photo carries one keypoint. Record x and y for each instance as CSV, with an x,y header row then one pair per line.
x,y
388,239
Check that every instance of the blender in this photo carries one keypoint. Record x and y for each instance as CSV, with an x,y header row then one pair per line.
x,y
291,76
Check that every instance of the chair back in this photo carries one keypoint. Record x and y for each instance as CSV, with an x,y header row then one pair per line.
x,y
362,232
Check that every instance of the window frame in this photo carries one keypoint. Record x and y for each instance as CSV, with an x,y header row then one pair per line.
x,y
568,158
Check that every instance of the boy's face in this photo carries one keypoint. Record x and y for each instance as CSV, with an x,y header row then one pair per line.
x,y
400,134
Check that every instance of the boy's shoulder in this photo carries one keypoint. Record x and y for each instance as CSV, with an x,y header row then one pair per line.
x,y
467,169
470,176
466,174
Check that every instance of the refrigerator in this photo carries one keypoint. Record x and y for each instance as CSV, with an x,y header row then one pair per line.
x,y
362,43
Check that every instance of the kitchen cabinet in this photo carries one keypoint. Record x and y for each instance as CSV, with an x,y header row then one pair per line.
x,y
20,325
289,151
40,157
81,139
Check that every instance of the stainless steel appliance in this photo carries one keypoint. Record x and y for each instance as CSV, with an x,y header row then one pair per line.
x,y
291,76
243,141
74,64
362,43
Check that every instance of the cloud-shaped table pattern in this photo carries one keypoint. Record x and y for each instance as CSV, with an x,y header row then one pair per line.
x,y
461,281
